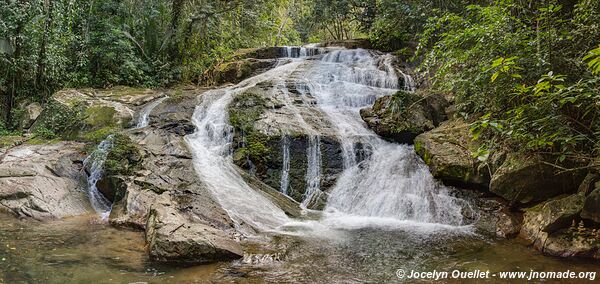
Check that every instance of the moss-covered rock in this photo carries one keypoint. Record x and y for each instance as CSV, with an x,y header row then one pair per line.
x,y
236,71
447,150
405,115
123,158
259,150
524,179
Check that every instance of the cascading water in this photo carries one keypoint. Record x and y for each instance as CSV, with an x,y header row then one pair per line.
x,y
144,117
285,172
95,164
389,183
313,170
210,146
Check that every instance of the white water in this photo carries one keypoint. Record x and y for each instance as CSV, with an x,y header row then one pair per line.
x,y
210,146
391,183
313,171
144,117
95,163
285,172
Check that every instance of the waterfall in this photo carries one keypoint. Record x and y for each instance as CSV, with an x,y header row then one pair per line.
x,y
384,182
95,163
313,170
301,51
285,171
391,182
144,118
210,147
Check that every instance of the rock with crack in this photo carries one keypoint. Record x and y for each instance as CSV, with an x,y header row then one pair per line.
x,y
43,181
172,237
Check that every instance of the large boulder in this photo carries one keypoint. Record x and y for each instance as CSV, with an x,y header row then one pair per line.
x,y
43,181
173,237
30,114
405,115
591,207
523,179
551,228
447,150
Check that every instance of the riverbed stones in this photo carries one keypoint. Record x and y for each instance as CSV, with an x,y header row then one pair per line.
x,y
447,150
43,181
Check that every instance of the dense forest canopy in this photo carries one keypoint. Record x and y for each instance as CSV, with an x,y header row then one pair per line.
x,y
525,73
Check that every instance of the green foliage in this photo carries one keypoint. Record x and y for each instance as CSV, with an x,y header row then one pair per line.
x,y
518,71
593,60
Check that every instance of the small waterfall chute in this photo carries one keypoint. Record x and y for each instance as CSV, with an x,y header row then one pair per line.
x,y
144,117
95,164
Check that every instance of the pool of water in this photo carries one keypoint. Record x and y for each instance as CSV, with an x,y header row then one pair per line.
x,y
85,250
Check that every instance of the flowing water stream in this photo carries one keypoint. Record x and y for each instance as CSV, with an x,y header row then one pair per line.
x,y
385,212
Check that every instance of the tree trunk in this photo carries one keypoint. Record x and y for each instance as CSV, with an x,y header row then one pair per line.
x,y
41,61
176,7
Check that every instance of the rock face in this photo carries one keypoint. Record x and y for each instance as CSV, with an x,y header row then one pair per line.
x,y
403,116
163,195
447,150
235,72
43,181
527,179
266,130
551,228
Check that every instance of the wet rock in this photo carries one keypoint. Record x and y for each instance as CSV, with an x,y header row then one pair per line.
x,y
526,179
172,237
163,195
551,228
403,116
43,181
447,150
264,126
508,224
31,113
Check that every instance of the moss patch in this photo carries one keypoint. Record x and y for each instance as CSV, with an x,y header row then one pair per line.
x,y
99,116
124,157
244,111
